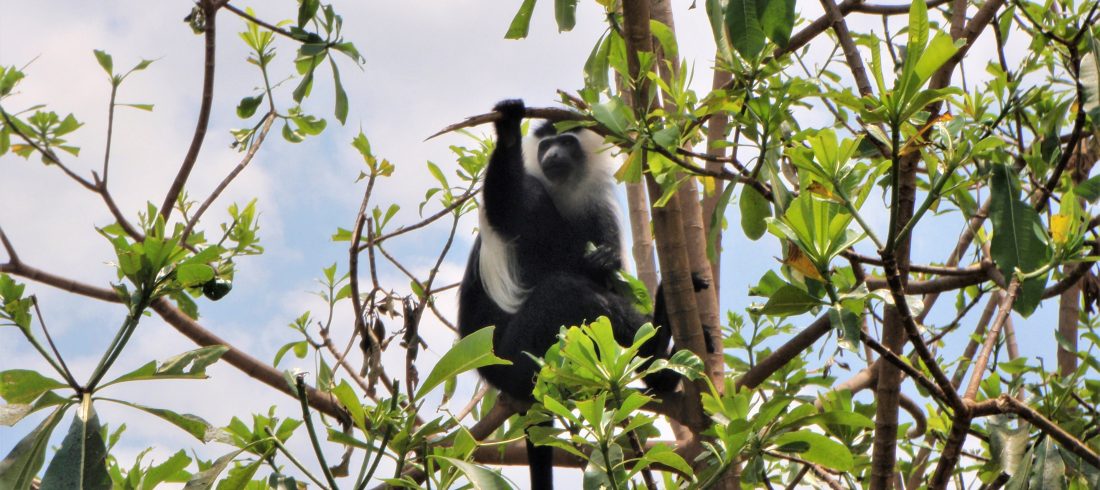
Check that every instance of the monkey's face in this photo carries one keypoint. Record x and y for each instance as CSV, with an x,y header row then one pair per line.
x,y
561,158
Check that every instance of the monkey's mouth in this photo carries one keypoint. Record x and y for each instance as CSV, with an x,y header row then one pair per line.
x,y
556,169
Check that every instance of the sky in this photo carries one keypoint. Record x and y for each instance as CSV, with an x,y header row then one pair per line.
x,y
428,64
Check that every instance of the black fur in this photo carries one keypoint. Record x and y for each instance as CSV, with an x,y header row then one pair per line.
x,y
567,282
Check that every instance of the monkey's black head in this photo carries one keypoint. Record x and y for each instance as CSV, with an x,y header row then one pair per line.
x,y
562,158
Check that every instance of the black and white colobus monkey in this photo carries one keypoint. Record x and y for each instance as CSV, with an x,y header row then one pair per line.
x,y
545,199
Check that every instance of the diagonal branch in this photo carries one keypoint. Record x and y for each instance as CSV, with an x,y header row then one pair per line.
x,y
210,9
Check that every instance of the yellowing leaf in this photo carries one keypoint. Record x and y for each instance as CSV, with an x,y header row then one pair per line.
x,y
1060,228
822,191
797,261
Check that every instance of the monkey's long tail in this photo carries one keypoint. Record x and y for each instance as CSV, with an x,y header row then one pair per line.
x,y
541,461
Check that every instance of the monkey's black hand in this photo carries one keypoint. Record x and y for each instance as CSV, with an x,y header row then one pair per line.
x,y
511,114
603,261
699,282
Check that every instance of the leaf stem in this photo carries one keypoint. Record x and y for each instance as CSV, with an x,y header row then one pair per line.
x,y
300,380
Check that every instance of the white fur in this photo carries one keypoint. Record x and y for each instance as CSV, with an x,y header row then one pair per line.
x,y
499,272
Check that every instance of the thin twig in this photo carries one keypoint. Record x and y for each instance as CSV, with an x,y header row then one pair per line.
x,y
269,119
49,340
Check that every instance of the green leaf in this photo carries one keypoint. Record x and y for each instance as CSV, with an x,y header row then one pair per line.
x,y
755,209
240,476
521,23
816,448
480,477
565,13
789,300
105,61
472,352
1019,240
247,107
21,465
1089,189
1006,444
611,115
666,456
941,49
667,39
597,65
307,10
1049,470
777,19
847,323
716,13
170,468
204,480
140,107
13,413
341,109
1090,77
918,38
192,424
24,385
188,365
81,461
191,275
743,27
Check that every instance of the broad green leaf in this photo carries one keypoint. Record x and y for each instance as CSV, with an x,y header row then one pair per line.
x,y
743,27
755,209
596,67
941,49
565,13
611,115
1049,470
480,477
1090,76
1089,189
166,470
247,106
664,455
472,352
188,365
350,400
918,38
240,477
1019,240
192,424
24,385
341,98
777,20
716,12
521,23
816,448
847,323
789,300
21,465
105,61
191,275
307,10
81,461
1006,444
666,38
13,413
204,480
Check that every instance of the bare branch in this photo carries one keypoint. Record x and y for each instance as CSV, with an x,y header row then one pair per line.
x,y
210,10
269,119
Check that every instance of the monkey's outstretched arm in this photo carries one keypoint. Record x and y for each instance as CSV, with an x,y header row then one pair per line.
x,y
504,195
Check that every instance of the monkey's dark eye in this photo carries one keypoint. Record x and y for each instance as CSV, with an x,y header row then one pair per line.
x,y
216,288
